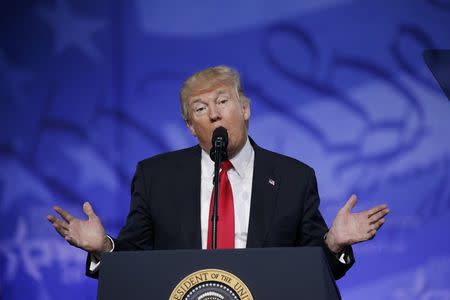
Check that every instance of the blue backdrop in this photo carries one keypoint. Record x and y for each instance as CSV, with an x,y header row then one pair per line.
x,y
88,88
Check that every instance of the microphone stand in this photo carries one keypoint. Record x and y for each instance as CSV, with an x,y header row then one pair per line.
x,y
215,215
218,153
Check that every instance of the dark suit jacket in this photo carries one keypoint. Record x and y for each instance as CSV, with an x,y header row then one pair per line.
x,y
165,205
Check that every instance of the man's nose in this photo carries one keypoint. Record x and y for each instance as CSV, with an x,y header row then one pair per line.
x,y
214,113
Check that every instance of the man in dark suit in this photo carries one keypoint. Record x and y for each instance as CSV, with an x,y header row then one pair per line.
x,y
276,202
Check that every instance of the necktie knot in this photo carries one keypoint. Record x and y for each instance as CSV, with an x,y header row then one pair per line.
x,y
226,165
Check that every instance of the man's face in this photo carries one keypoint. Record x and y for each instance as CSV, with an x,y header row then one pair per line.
x,y
215,107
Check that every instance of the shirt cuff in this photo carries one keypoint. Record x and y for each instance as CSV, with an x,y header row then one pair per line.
x,y
94,264
344,256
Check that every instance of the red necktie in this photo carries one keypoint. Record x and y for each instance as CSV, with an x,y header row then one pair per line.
x,y
225,223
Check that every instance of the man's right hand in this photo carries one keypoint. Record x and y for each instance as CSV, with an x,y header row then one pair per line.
x,y
87,234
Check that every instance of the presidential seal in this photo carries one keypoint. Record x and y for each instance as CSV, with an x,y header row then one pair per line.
x,y
211,284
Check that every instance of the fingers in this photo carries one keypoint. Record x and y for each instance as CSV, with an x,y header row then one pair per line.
x,y
69,239
60,226
371,234
378,215
88,210
376,225
351,202
57,222
373,229
64,214
376,209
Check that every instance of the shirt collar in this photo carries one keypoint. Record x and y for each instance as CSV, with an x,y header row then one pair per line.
x,y
240,161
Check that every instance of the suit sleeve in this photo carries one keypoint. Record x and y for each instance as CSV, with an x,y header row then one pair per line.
x,y
137,234
313,229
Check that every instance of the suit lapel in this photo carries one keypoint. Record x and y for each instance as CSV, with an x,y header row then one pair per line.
x,y
264,196
188,191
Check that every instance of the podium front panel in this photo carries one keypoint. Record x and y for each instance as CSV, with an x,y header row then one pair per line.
x,y
270,273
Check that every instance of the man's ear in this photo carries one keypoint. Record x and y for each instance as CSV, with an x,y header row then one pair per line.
x,y
246,109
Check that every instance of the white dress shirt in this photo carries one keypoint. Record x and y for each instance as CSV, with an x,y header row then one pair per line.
x,y
240,177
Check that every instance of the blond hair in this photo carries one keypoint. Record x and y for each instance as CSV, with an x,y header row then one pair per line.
x,y
206,79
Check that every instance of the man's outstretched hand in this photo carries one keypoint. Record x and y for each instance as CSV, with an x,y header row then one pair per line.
x,y
350,228
87,234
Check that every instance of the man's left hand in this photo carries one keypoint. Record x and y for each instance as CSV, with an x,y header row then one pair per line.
x,y
350,228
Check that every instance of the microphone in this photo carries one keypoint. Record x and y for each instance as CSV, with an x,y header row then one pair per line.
x,y
219,142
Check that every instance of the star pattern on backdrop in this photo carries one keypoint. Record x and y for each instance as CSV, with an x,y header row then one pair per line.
x,y
72,30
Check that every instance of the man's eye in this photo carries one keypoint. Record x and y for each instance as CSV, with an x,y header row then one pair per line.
x,y
200,109
223,101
